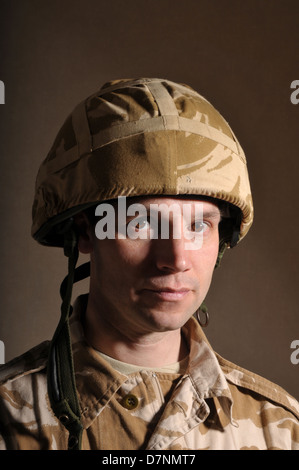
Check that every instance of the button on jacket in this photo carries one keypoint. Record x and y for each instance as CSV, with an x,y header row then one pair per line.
x,y
213,405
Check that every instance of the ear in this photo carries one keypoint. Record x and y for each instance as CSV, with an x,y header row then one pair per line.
x,y
85,232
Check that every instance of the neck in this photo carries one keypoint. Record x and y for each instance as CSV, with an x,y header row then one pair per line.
x,y
151,349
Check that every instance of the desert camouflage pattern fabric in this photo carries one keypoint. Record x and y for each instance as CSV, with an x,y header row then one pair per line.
x,y
213,405
136,138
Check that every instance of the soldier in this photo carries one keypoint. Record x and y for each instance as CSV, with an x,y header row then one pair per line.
x,y
129,366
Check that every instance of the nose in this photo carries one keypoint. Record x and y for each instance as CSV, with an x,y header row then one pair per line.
x,y
171,255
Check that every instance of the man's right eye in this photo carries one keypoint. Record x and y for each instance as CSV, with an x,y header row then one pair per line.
x,y
140,223
139,227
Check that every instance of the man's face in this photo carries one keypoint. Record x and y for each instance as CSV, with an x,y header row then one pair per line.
x,y
146,284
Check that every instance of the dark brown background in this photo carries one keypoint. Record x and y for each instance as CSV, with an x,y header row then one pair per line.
x,y
241,55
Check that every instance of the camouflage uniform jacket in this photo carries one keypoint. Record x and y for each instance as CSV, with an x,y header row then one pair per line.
x,y
213,405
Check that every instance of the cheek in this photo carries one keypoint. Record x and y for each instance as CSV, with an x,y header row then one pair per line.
x,y
204,263
132,253
213,250
118,258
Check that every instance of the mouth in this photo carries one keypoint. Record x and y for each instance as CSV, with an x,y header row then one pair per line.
x,y
167,293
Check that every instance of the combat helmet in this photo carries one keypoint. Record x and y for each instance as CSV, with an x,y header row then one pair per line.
x,y
133,137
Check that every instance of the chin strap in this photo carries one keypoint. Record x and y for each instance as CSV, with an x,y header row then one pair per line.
x,y
202,314
222,248
61,378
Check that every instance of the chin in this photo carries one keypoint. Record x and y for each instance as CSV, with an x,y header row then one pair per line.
x,y
167,321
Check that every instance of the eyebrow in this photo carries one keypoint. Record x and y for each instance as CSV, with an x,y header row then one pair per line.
x,y
212,214
206,214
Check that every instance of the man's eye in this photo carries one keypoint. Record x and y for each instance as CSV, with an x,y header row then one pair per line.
x,y
199,226
140,223
139,227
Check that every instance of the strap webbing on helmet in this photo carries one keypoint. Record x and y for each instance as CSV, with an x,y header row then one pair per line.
x,y
221,251
61,380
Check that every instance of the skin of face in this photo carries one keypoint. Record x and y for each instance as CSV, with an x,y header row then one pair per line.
x,y
140,288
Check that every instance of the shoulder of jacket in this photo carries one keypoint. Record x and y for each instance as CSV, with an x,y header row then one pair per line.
x,y
265,388
31,361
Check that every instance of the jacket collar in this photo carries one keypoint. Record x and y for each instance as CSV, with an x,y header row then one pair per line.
x,y
97,381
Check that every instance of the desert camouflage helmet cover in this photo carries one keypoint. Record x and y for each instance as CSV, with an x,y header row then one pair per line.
x,y
135,138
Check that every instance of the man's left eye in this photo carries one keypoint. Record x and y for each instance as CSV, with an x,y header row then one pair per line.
x,y
199,226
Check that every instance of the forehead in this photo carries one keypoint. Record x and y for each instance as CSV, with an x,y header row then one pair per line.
x,y
207,203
